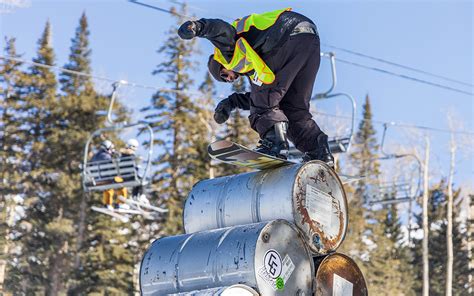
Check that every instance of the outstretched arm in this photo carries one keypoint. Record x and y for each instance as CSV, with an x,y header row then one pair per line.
x,y
221,34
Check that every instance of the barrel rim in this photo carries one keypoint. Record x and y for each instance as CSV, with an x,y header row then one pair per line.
x,y
334,174
344,256
245,287
299,235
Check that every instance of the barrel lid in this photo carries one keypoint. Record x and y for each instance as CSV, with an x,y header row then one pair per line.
x,y
283,265
320,206
338,274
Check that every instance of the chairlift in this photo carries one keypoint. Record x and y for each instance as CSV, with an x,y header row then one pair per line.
x,y
120,172
398,191
388,193
337,144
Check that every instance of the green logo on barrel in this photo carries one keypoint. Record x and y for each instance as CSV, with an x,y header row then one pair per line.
x,y
280,284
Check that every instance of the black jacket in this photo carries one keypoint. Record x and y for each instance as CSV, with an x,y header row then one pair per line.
x,y
223,35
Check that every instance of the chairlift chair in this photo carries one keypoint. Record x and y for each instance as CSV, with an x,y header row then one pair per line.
x,y
102,175
399,191
337,144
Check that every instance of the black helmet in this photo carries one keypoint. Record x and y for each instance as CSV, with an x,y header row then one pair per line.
x,y
215,68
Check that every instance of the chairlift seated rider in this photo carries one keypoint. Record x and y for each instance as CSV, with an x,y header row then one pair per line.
x,y
107,153
128,152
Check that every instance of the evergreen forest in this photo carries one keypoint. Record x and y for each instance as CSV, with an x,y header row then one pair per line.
x,y
52,243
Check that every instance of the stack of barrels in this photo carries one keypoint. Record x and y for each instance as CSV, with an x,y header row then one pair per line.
x,y
271,232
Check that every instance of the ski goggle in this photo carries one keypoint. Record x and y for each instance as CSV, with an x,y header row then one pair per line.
x,y
225,76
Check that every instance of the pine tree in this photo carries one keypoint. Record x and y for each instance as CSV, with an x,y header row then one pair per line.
x,y
56,210
37,238
12,156
437,246
363,159
388,259
207,129
93,232
174,119
374,232
12,132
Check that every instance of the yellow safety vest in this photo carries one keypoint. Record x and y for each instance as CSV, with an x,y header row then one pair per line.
x,y
245,59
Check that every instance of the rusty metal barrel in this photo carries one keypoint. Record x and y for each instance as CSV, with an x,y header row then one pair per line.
x,y
270,257
234,290
337,274
310,195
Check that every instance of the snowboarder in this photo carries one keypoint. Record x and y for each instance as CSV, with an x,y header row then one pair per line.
x,y
279,52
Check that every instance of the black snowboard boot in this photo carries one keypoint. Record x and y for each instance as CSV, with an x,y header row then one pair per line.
x,y
275,142
322,153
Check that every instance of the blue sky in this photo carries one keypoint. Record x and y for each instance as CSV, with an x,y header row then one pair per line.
x,y
436,36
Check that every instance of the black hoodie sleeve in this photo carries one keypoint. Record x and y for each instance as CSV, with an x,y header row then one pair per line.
x,y
221,34
240,100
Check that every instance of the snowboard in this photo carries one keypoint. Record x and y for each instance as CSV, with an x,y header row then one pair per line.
x,y
236,154
346,179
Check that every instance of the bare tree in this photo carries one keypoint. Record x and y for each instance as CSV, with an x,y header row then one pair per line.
x,y
449,214
455,143
426,277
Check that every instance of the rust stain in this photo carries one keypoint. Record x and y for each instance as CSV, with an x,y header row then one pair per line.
x,y
345,268
328,243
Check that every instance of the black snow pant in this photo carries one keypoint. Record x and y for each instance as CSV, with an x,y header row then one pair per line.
x,y
295,65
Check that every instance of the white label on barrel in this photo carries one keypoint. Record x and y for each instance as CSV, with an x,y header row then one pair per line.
x,y
319,206
288,267
262,272
341,286
272,262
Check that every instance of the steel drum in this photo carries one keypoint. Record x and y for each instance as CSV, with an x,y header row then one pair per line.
x,y
310,195
271,257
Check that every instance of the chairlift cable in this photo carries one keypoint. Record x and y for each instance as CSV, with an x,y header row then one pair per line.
x,y
405,77
132,84
399,124
159,9
396,64
103,78
371,57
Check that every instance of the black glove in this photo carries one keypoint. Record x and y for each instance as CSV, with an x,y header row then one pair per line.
x,y
223,109
189,30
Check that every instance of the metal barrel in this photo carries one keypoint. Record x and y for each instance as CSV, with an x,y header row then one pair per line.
x,y
337,274
310,195
234,290
270,257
